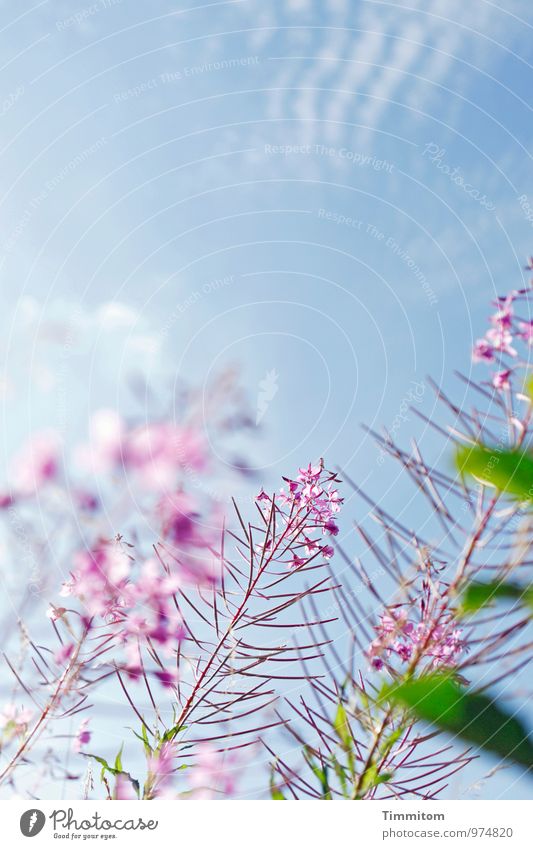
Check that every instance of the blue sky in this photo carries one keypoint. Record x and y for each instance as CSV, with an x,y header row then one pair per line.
x,y
329,190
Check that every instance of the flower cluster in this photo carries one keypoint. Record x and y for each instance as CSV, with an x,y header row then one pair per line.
x,y
398,636
136,602
501,341
155,452
154,456
309,501
193,536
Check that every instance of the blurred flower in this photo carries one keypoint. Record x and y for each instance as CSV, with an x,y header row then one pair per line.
x,y
83,736
54,613
37,463
14,721
124,790
99,580
154,453
161,767
63,654
213,774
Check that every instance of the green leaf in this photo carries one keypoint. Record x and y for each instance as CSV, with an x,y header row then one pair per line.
x,y
474,717
387,744
277,795
342,727
144,740
479,594
509,471
103,763
113,770
320,772
275,792
373,777
341,773
118,759
171,733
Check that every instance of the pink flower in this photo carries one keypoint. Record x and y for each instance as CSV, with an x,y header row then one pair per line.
x,y
124,790
214,774
154,452
483,352
99,580
397,635
310,475
54,613
297,562
503,317
167,677
331,527
37,463
14,721
526,331
63,654
193,538
446,647
501,379
157,452
179,517
311,545
506,330
162,767
404,650
501,340
82,737
86,500
308,504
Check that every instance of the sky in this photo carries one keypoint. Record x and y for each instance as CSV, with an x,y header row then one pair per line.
x,y
327,194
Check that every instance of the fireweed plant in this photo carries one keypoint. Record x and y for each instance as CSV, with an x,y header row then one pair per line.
x,y
219,633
